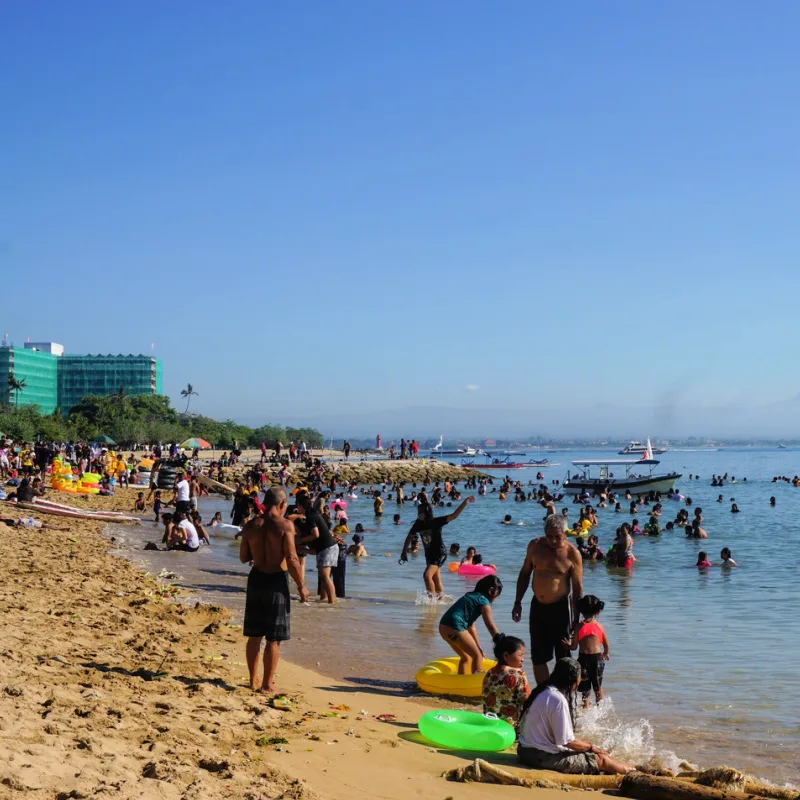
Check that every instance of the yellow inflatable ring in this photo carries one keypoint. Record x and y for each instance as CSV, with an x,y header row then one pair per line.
x,y
441,677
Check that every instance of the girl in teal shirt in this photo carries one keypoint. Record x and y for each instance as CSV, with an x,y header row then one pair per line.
x,y
457,626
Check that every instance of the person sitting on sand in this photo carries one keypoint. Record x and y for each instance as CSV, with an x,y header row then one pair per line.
x,y
139,504
185,536
357,549
457,625
198,524
505,685
547,728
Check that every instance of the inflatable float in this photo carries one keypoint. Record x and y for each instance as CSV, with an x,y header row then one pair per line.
x,y
476,570
467,730
441,677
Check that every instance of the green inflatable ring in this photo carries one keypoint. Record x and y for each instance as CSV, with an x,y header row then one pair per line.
x,y
467,730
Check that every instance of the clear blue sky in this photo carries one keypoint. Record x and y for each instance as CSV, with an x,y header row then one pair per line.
x,y
348,207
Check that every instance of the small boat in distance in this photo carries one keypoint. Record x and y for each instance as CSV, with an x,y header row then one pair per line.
x,y
637,448
782,447
461,450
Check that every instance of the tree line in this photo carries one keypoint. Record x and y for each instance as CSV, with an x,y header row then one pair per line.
x,y
141,418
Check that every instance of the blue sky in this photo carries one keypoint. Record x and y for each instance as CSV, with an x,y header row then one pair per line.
x,y
346,208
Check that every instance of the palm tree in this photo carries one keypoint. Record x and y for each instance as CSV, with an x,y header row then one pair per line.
x,y
16,385
187,393
121,395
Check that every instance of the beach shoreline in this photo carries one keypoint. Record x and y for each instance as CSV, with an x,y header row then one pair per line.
x,y
111,685
79,619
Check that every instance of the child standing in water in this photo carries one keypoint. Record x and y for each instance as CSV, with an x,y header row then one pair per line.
x,y
727,557
593,650
457,625
702,560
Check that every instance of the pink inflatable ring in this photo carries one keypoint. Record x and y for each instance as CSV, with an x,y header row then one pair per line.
x,y
476,569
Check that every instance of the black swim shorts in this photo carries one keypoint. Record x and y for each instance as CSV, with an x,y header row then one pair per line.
x,y
592,668
267,607
549,624
435,557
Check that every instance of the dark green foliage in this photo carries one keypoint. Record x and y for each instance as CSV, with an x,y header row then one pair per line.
x,y
141,418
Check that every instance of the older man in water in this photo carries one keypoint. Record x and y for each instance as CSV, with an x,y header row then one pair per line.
x,y
268,543
557,569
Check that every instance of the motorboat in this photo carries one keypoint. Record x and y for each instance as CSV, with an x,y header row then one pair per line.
x,y
604,479
461,450
634,482
637,448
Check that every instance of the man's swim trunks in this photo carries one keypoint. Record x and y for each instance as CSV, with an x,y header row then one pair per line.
x,y
266,611
549,624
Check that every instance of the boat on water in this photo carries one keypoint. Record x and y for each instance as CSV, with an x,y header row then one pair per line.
x,y
635,482
461,450
637,448
782,447
495,463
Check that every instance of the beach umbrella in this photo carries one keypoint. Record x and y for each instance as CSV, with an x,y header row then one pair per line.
x,y
191,444
103,440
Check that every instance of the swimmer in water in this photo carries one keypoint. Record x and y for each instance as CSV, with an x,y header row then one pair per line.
x,y
727,559
469,558
734,509
457,625
216,519
702,560
396,519
357,549
506,520
772,501
455,549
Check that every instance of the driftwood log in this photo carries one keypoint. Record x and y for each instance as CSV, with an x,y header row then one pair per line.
x,y
480,771
649,787
719,783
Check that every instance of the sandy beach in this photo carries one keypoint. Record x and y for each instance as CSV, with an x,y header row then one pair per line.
x,y
111,687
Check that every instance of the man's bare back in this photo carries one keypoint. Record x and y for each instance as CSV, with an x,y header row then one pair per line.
x,y
267,541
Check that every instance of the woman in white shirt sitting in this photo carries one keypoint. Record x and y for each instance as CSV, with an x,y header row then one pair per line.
x,y
546,730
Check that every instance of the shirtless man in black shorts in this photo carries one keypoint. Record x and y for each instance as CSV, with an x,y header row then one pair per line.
x,y
429,529
268,543
557,567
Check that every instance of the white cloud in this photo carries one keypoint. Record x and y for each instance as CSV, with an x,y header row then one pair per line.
x,y
473,387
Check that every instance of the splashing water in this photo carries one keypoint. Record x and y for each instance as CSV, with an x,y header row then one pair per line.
x,y
425,598
626,739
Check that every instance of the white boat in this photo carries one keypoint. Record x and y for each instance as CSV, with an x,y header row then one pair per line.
x,y
605,479
461,450
637,448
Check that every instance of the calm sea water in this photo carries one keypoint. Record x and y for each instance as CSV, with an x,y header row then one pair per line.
x,y
704,664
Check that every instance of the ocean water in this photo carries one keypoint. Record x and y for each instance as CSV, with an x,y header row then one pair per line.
x,y
704,664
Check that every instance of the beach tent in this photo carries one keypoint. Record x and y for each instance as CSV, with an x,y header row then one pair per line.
x,y
104,440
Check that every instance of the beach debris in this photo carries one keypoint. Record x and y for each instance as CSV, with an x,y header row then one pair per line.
x,y
385,717
169,575
264,741
212,765
329,714
480,771
281,702
212,627
13,691
341,707
729,779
